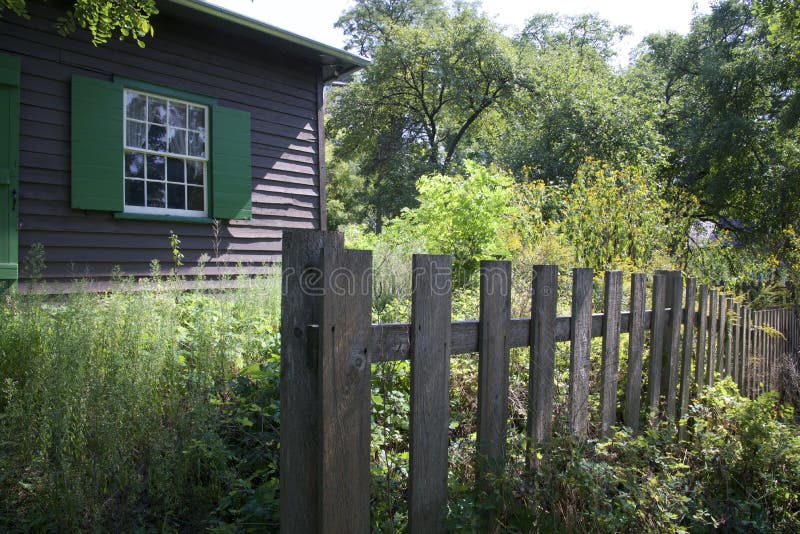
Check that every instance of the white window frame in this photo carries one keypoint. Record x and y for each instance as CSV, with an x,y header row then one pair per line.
x,y
150,210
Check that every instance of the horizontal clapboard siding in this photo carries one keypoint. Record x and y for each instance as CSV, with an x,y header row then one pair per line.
x,y
280,93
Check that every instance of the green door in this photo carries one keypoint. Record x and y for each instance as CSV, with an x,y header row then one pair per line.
x,y
9,169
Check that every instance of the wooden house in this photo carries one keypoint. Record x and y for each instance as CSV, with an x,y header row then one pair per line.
x,y
213,131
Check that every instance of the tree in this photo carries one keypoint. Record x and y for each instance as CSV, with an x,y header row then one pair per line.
x,y
571,105
436,72
104,19
727,90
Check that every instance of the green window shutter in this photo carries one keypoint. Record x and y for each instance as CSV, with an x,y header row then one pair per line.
x,y
9,169
231,175
97,156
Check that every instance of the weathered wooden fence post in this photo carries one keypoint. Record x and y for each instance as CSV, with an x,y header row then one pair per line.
x,y
671,357
542,357
700,350
612,309
493,369
686,364
430,338
656,346
301,306
633,380
580,347
344,378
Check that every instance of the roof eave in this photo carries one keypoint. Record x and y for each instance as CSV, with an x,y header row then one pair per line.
x,y
349,62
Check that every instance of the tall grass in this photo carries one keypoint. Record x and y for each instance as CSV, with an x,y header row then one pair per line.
x,y
115,408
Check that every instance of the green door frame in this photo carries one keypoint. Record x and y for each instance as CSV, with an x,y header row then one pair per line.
x,y
9,170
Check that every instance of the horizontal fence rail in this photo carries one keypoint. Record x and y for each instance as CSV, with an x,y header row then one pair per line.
x,y
696,335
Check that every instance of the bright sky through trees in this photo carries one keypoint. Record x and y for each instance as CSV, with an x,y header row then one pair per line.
x,y
315,18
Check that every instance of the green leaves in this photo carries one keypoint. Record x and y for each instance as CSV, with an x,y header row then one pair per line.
x,y
124,19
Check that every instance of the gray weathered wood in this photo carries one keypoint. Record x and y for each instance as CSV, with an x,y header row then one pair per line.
x,y
737,345
495,320
344,387
713,333
688,338
430,392
672,349
609,378
542,356
700,349
633,380
728,364
723,316
301,305
580,347
656,345
746,348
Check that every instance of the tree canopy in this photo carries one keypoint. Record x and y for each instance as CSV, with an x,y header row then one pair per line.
x,y
122,19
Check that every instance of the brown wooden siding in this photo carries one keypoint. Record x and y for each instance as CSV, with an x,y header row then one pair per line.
x,y
280,92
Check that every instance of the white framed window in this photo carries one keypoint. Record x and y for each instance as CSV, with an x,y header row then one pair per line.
x,y
166,155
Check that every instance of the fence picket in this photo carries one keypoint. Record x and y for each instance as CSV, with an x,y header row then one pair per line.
x,y
723,316
633,381
430,392
580,346
700,349
688,339
612,307
656,345
542,356
493,361
344,382
713,332
669,368
301,306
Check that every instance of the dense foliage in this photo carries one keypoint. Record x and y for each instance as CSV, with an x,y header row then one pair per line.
x,y
709,120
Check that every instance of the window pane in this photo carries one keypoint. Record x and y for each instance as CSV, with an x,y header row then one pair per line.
x,y
194,172
155,195
156,110
197,144
176,196
136,134
134,164
197,118
196,198
134,192
177,141
135,106
157,138
175,170
177,114
155,168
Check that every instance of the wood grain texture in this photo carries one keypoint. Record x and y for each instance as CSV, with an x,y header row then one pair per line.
x,y
609,378
542,356
493,362
713,333
736,347
745,365
580,346
430,392
656,345
688,341
700,348
672,349
633,380
301,305
344,386
723,335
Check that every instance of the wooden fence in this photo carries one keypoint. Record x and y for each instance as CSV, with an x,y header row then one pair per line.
x,y
328,344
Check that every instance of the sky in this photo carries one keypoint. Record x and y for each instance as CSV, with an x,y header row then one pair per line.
x,y
315,18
